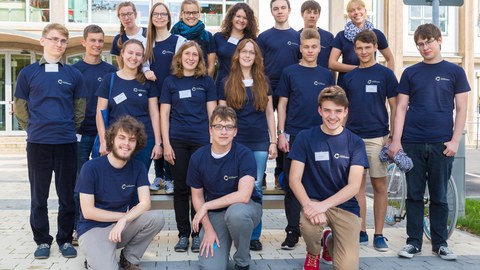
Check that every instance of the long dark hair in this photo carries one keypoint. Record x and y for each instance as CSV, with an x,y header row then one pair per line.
x,y
251,31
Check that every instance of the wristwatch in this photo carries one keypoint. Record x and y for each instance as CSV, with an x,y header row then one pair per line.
x,y
280,131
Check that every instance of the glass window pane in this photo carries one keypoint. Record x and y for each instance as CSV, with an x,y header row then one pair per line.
x,y
2,77
3,119
12,11
212,14
443,26
104,12
39,10
18,62
442,12
415,11
414,23
78,11
175,11
427,12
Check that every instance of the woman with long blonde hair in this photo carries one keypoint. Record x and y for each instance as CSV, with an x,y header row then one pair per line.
x,y
247,91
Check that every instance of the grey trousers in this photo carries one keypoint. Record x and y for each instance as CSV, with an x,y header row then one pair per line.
x,y
137,235
236,224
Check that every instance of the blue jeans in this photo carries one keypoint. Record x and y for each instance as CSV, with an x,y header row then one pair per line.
x,y
84,149
143,156
430,167
261,161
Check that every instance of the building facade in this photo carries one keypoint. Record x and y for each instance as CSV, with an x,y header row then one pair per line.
x,y
22,22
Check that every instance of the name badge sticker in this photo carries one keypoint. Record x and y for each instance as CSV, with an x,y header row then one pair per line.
x,y
79,137
370,88
51,67
233,40
322,156
185,93
248,82
120,98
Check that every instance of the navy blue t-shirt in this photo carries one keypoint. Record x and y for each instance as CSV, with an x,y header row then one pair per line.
x,y
129,97
188,97
163,53
113,188
93,76
326,39
219,177
431,89
225,50
367,91
302,85
348,50
327,160
280,49
249,122
115,50
50,96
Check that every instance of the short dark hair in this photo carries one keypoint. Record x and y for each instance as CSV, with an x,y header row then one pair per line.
x,y
224,113
333,93
366,36
131,126
427,31
273,1
310,5
92,28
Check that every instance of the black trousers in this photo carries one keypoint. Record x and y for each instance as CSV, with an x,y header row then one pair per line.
x,y
43,159
292,206
184,210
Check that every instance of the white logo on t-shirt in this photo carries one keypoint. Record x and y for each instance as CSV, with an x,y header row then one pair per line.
x,y
226,177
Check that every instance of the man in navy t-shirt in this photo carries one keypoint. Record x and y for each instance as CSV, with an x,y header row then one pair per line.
x,y
310,11
106,186
429,135
50,106
222,177
298,90
326,173
368,87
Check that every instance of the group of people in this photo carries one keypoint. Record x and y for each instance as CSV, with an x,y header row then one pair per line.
x,y
214,137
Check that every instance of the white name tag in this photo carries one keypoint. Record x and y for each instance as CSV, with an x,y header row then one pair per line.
x,y
51,67
233,40
371,88
248,82
185,93
79,137
120,98
322,156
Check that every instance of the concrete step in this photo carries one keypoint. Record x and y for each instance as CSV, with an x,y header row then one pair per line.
x,y
13,144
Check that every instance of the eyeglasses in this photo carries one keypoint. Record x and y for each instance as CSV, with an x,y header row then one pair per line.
x,y
126,15
191,13
160,15
219,127
427,43
247,52
56,40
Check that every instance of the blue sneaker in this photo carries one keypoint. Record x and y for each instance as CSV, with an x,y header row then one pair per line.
x,y
42,251
68,251
363,238
169,187
380,244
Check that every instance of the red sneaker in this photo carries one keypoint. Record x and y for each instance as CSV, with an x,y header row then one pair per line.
x,y
311,262
326,257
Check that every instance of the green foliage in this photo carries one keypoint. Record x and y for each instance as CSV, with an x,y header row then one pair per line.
x,y
471,221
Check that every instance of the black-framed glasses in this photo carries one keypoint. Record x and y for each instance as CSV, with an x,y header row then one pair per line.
x,y
126,15
219,127
427,43
160,15
191,13
57,40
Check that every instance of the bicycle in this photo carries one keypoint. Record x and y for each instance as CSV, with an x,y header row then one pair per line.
x,y
396,192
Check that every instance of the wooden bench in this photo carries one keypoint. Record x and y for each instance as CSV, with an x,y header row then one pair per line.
x,y
272,199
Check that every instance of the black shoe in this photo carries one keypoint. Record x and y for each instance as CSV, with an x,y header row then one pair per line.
x,y
195,244
42,251
255,245
242,267
182,245
290,241
408,251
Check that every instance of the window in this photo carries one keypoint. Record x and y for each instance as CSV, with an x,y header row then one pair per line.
x,y
423,14
212,12
25,11
104,11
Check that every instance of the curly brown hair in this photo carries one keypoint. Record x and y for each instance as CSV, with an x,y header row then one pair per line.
x,y
251,31
131,126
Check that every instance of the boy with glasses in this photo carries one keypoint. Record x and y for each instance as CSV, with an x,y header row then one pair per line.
x,y
50,105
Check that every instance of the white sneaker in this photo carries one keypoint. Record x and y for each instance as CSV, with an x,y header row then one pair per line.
x,y
169,187
156,183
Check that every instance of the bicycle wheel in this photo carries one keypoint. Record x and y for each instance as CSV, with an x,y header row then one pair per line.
x,y
452,199
396,192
